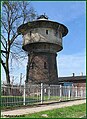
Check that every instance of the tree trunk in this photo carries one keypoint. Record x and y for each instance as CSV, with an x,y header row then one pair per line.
x,y
8,76
7,68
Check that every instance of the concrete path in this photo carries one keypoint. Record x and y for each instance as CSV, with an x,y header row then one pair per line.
x,y
41,108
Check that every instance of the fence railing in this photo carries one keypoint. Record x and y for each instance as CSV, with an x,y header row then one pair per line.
x,y
31,94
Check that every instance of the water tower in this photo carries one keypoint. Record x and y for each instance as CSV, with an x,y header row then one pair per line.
x,y
42,39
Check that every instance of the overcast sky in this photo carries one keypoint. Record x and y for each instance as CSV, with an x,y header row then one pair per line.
x,y
72,59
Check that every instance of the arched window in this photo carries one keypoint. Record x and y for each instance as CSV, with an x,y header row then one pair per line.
x,y
45,65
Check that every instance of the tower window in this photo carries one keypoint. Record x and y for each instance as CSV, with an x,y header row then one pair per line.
x,y
30,33
44,46
45,65
32,65
47,32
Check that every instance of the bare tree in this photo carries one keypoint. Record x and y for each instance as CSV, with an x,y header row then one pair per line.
x,y
13,14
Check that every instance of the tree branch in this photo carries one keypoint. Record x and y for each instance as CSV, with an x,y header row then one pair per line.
x,y
3,38
4,25
3,45
13,38
3,64
3,54
16,18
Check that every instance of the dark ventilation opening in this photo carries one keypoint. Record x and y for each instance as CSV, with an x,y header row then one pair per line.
x,y
30,33
44,46
45,65
47,32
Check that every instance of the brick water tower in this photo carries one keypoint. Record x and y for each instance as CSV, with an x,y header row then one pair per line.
x,y
42,39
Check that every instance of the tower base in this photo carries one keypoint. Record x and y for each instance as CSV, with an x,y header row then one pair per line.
x,y
42,68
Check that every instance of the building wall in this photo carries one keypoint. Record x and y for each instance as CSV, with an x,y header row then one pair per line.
x,y
39,35
80,84
44,68
42,47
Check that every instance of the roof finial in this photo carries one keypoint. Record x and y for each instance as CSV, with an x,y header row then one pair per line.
x,y
42,16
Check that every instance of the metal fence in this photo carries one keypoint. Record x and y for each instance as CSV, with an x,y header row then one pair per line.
x,y
41,93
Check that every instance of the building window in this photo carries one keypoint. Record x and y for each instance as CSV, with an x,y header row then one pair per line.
x,y
30,33
44,46
45,65
32,65
47,32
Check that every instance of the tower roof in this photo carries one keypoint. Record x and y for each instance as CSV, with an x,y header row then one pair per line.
x,y
43,22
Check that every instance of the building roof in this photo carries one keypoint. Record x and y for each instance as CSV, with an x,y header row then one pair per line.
x,y
72,79
43,22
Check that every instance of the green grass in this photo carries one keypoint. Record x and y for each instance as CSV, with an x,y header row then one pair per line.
x,y
12,101
75,111
7,101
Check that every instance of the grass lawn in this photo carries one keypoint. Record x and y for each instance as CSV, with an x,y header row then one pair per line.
x,y
14,101
75,111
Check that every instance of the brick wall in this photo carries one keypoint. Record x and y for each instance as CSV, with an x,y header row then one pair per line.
x,y
44,68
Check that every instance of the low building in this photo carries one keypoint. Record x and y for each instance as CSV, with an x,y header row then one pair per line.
x,y
79,81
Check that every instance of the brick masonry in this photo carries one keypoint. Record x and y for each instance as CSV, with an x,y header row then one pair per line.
x,y
42,68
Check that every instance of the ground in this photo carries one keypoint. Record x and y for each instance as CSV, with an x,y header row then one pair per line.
x,y
39,108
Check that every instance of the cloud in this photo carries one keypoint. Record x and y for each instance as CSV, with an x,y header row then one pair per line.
x,y
68,64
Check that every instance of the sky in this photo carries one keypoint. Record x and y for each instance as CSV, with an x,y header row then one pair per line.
x,y
72,59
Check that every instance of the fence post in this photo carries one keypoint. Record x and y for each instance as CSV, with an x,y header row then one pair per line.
x,y
60,92
48,92
76,91
41,93
24,95
81,92
69,92
20,81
